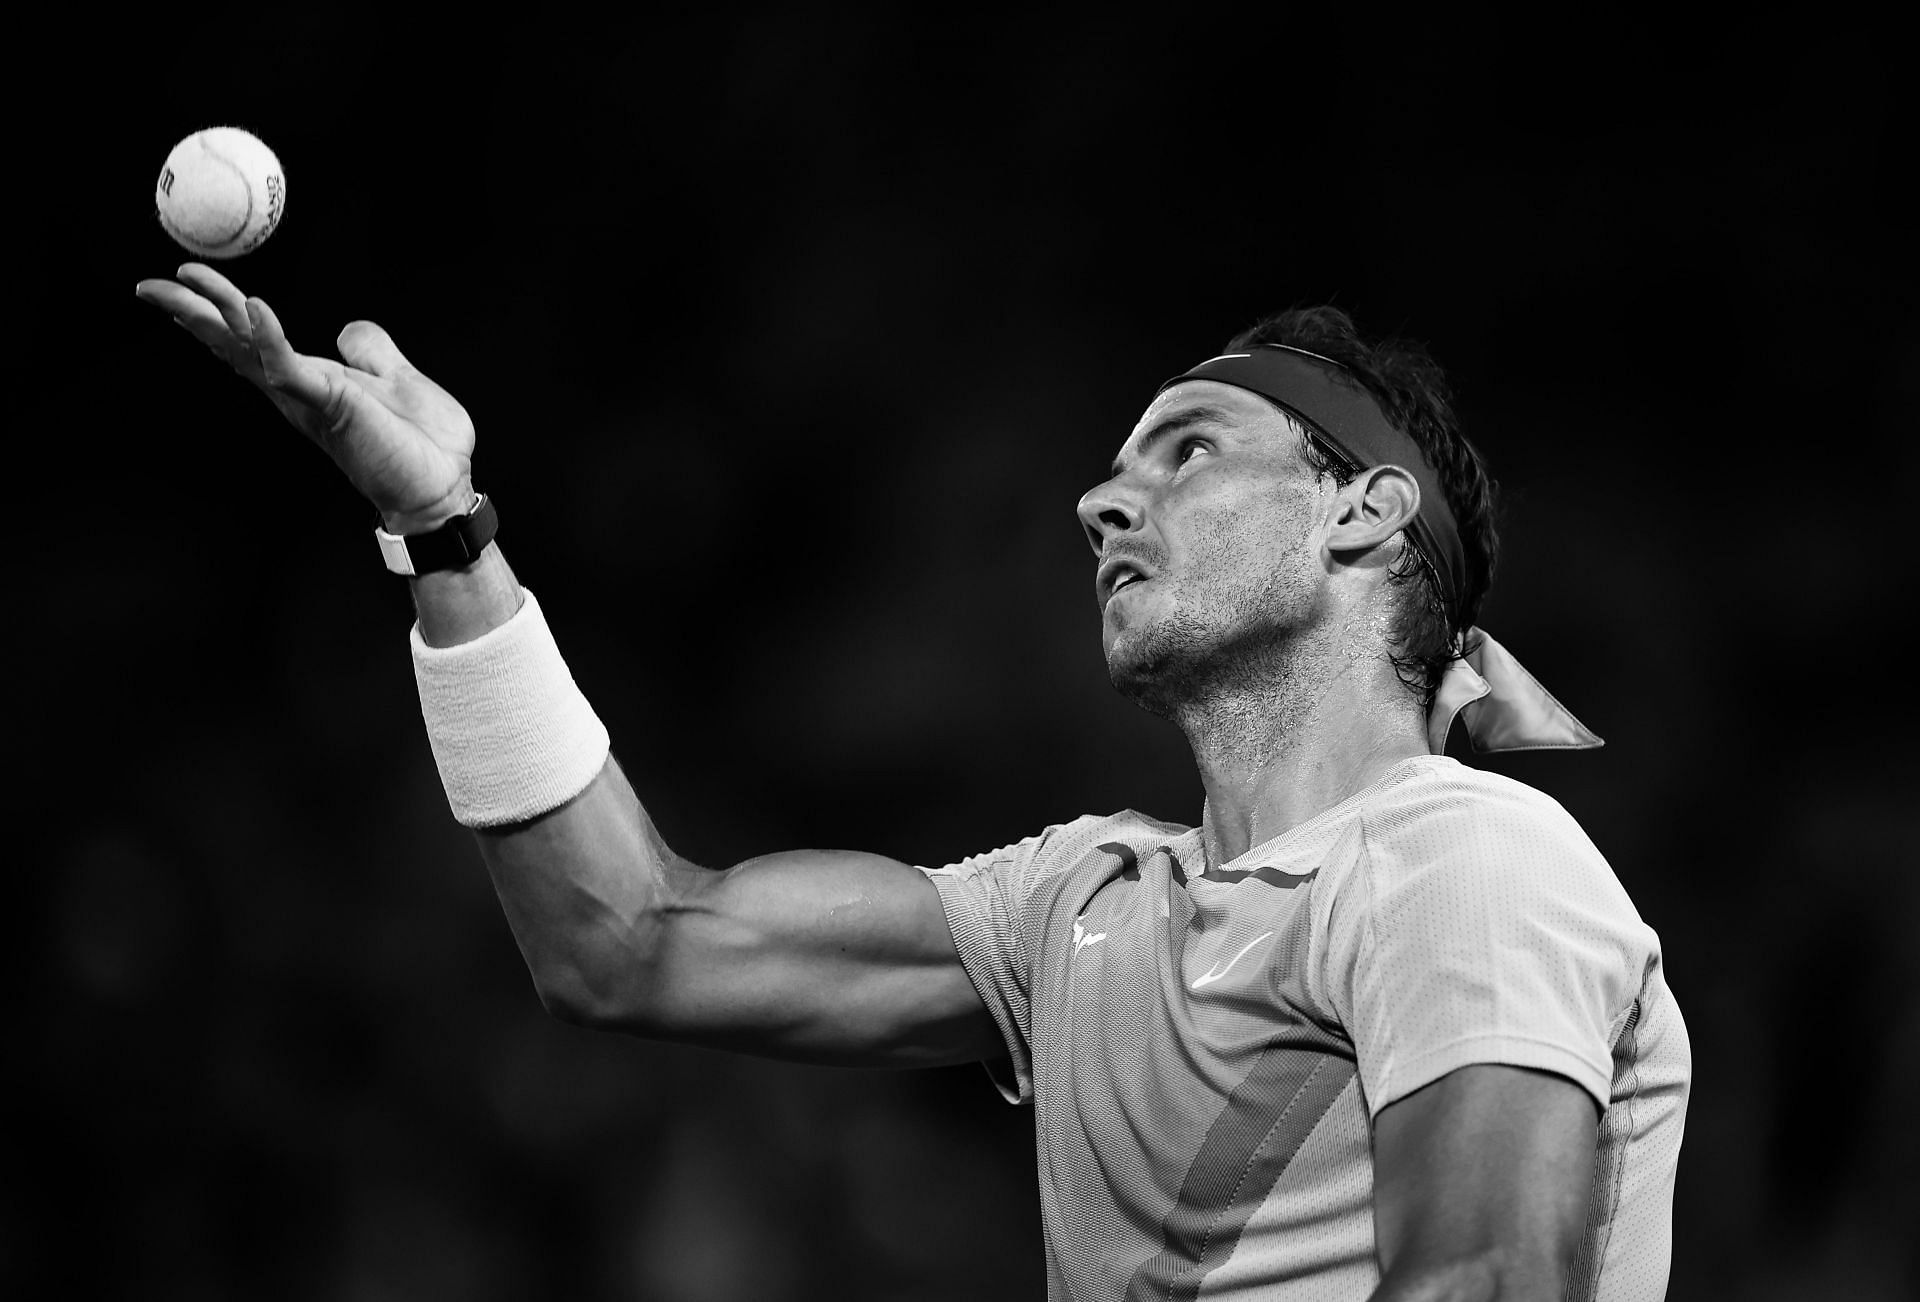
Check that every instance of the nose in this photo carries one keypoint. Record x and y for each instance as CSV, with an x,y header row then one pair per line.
x,y
1108,511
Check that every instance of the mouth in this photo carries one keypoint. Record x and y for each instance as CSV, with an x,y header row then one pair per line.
x,y
1118,575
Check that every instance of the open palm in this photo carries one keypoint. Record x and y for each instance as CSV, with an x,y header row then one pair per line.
x,y
400,438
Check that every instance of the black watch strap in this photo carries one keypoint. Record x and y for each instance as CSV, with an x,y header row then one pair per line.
x,y
455,544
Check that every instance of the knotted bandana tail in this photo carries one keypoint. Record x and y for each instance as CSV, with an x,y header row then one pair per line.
x,y
1504,706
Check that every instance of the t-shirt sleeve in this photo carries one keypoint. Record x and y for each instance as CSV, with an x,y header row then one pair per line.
x,y
985,899
1484,930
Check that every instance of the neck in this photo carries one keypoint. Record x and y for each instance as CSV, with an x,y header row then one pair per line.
x,y
1290,738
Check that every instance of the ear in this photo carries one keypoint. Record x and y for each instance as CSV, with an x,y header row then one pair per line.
x,y
1376,505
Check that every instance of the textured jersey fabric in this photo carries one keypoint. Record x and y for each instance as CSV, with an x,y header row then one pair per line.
x,y
1206,1046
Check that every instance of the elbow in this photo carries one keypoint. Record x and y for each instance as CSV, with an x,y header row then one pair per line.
x,y
597,967
618,972
595,996
566,1001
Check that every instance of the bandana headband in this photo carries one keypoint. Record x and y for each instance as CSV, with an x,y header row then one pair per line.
x,y
1504,707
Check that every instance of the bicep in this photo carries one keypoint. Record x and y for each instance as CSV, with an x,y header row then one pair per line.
x,y
826,956
816,955
1485,1171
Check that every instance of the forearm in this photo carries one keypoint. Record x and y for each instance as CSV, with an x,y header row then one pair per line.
x,y
821,956
581,885
827,955
588,890
456,606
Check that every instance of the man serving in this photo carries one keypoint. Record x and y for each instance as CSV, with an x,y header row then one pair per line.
x,y
1383,1026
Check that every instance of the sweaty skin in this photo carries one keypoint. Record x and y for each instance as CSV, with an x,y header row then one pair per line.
x,y
1261,632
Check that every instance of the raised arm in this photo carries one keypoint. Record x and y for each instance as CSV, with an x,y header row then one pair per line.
x,y
826,956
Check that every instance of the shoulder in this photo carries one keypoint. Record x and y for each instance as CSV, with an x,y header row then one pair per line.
x,y
1451,826
1469,875
1444,805
1061,845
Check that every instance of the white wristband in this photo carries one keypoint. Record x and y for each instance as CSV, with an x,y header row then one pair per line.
x,y
512,734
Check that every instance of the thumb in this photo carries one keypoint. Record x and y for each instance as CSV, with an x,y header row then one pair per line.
x,y
366,346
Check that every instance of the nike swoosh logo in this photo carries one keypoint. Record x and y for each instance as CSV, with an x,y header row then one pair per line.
x,y
1221,969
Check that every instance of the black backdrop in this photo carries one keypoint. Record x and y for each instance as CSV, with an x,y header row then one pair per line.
x,y
791,343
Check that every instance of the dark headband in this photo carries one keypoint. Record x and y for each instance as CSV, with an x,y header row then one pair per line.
x,y
1337,409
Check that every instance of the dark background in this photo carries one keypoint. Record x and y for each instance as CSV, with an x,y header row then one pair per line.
x,y
791,344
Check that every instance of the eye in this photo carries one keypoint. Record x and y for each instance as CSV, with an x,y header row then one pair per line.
x,y
1187,448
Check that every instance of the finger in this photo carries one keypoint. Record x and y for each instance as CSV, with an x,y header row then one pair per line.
x,y
367,346
221,292
281,367
203,321
177,300
207,325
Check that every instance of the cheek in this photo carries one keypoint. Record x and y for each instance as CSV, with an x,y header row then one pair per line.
x,y
1233,542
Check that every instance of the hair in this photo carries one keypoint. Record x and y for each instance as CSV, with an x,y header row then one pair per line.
x,y
1416,399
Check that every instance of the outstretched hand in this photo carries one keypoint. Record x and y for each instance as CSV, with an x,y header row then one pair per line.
x,y
401,439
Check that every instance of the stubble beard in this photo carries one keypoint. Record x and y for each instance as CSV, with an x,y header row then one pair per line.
x,y
1162,665
1215,649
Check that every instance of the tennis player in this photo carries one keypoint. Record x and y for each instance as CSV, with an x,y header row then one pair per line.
x,y
1383,1026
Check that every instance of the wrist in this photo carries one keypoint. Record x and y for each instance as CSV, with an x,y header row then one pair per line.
x,y
456,606
459,500
455,545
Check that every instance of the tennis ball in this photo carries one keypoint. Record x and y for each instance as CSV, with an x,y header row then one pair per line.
x,y
221,193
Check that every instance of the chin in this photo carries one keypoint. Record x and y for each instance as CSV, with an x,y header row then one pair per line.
x,y
1150,693
1153,667
1167,665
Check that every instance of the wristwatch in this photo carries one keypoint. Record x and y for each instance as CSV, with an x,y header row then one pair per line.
x,y
454,544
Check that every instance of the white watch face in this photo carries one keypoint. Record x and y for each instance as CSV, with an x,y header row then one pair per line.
x,y
393,550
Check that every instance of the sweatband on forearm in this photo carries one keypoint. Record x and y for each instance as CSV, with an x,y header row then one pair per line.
x,y
512,735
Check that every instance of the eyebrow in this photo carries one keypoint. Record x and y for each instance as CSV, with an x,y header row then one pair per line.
x,y
1174,424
